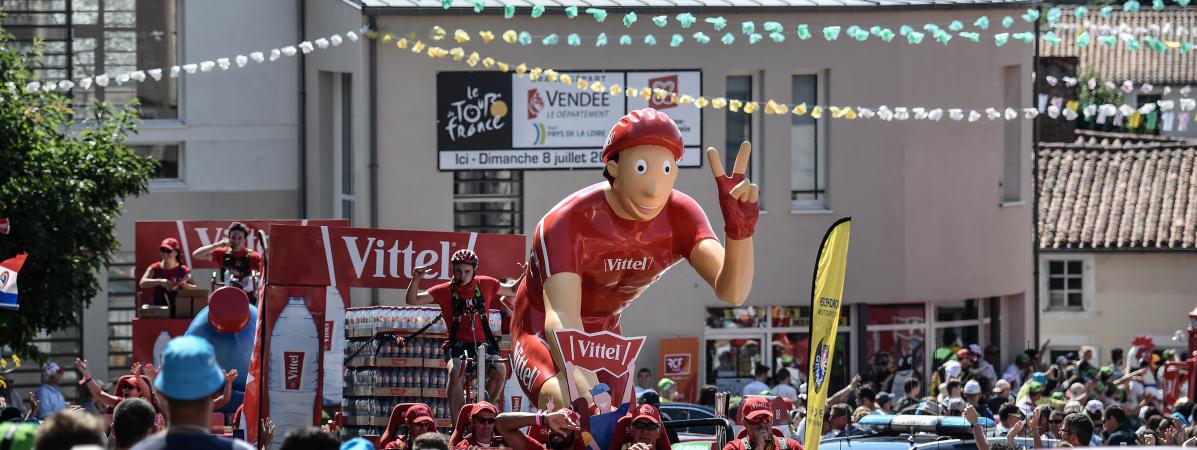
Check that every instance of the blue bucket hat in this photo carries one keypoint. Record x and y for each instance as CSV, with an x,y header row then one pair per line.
x,y
357,444
1040,377
189,370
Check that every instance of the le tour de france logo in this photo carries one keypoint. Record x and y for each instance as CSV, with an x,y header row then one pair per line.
x,y
477,111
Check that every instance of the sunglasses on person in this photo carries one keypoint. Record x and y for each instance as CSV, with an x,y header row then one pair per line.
x,y
761,421
165,250
485,420
1056,421
645,426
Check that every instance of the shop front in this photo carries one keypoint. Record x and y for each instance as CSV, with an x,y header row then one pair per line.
x,y
894,339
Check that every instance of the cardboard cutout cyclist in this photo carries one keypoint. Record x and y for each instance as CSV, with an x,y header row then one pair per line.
x,y
464,303
599,248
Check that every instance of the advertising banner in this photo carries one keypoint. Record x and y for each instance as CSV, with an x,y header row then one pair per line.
x,y
679,362
826,297
498,121
373,258
295,368
151,335
1175,376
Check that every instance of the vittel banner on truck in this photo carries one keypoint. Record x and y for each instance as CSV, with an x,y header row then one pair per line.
x,y
365,257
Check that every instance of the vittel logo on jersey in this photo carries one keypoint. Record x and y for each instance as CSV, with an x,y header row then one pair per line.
x,y
611,264
294,361
525,373
395,259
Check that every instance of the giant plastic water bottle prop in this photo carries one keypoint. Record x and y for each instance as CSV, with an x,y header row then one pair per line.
x,y
228,324
294,347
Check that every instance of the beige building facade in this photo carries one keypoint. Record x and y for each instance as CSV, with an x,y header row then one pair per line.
x,y
1116,241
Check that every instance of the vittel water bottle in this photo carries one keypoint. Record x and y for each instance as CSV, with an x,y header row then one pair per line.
x,y
295,345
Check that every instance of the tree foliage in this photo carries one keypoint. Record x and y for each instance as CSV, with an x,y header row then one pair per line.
x,y
62,182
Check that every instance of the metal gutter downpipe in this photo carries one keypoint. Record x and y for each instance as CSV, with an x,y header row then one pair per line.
x,y
303,115
373,20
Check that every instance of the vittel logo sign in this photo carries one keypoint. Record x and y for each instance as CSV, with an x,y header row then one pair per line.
x,y
294,362
383,258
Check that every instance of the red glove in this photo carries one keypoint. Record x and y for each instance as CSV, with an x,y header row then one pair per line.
x,y
739,217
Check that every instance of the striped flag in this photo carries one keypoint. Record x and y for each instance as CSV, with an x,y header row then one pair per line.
x,y
8,281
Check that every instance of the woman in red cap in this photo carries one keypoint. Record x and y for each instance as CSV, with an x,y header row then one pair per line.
x,y
600,247
167,276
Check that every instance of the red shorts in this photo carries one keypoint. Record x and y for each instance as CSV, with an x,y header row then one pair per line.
x,y
531,362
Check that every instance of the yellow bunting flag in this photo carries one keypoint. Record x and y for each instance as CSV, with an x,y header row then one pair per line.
x,y
799,109
826,295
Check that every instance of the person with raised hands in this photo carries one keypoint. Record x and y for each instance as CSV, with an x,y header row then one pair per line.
x,y
562,426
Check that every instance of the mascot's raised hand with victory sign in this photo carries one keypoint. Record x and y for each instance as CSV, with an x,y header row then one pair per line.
x,y
598,249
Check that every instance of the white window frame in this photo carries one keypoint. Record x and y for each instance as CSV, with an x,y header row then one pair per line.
x,y
1088,287
338,138
168,184
823,205
756,128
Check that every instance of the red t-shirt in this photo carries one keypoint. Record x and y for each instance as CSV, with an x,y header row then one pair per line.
x,y
444,298
616,258
469,441
179,273
738,444
255,259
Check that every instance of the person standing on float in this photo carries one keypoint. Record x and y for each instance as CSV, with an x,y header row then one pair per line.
x,y
600,247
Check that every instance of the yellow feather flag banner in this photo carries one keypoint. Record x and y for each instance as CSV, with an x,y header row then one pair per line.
x,y
826,296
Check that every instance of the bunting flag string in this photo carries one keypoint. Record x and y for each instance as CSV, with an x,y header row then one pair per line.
x,y
776,33
775,30
1054,108
156,74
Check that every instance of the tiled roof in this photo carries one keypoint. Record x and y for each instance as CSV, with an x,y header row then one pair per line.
x,y
1118,192
432,6
1116,63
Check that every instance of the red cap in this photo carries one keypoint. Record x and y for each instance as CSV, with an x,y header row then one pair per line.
x,y
647,411
171,243
754,406
228,310
419,413
963,353
643,127
483,406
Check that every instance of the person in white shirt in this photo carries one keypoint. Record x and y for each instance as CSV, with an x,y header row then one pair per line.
x,y
783,388
758,383
644,381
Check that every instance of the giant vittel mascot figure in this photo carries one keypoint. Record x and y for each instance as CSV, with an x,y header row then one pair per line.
x,y
600,247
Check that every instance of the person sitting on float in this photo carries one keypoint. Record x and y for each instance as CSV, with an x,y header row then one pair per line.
x,y
476,427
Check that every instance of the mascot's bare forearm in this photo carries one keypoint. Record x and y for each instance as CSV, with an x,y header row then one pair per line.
x,y
728,271
563,310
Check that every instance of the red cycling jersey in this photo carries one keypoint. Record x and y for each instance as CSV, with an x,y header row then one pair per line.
x,y
489,287
616,258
